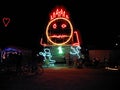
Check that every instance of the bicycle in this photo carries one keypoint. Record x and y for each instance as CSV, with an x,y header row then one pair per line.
x,y
39,69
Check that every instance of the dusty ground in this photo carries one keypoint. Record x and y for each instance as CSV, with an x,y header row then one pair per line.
x,y
63,78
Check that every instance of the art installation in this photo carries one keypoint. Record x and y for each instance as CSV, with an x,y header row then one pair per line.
x,y
6,21
61,38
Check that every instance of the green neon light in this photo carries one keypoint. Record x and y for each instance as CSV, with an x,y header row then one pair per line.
x,y
60,50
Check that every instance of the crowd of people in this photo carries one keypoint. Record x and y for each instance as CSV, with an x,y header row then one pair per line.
x,y
15,59
81,62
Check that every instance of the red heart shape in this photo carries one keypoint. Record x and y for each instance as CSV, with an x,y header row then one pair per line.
x,y
6,21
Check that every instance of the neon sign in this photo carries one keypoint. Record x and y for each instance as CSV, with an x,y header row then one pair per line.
x,y
75,51
58,36
66,31
59,30
78,42
59,13
6,21
41,42
60,50
48,54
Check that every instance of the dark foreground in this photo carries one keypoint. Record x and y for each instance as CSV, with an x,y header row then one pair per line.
x,y
63,78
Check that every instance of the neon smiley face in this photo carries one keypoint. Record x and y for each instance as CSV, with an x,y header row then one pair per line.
x,y
59,31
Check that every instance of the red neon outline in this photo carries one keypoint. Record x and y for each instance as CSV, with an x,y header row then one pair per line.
x,y
58,36
59,13
63,26
41,42
54,26
6,21
78,42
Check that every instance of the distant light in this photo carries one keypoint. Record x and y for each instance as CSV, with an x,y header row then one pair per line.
x,y
108,68
116,44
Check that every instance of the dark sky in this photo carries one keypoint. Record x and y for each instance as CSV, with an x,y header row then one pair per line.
x,y
96,20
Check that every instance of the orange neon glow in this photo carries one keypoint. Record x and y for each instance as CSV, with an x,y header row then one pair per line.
x,y
59,36
59,13
54,36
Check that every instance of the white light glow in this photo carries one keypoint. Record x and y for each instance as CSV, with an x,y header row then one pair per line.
x,y
47,55
75,51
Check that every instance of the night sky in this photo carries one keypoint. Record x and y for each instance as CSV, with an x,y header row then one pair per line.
x,y
96,20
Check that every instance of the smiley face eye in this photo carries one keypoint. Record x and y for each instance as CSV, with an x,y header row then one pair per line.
x,y
54,26
63,26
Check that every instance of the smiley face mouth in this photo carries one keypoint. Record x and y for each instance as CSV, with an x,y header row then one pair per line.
x,y
59,36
